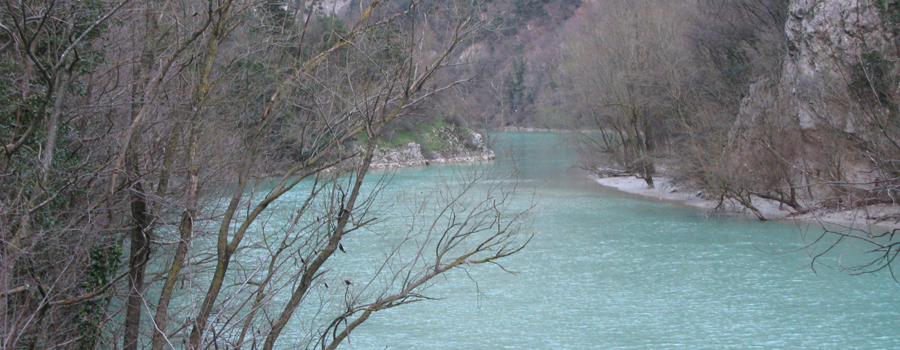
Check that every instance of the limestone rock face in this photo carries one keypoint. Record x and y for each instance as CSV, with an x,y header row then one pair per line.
x,y
812,101
825,40
337,7
407,156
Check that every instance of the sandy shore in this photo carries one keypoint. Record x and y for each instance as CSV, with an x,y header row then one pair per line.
x,y
872,218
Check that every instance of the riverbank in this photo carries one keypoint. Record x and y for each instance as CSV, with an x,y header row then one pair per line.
x,y
467,148
393,161
868,218
540,129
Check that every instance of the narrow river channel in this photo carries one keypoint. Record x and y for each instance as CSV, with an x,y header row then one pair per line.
x,y
607,270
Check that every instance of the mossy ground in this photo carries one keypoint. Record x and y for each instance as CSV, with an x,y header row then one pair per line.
x,y
435,135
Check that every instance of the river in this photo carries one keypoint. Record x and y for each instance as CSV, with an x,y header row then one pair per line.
x,y
607,270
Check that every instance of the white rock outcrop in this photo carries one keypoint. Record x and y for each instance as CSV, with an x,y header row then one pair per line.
x,y
826,38
813,97
459,151
337,7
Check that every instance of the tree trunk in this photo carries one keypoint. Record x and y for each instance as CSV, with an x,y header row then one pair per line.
x,y
186,230
137,261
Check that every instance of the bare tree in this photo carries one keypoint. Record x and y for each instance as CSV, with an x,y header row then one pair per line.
x,y
48,47
169,151
625,67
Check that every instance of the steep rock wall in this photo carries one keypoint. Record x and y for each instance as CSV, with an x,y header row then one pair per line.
x,y
812,113
826,39
826,42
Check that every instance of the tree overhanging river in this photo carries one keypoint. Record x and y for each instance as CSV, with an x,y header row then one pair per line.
x,y
606,270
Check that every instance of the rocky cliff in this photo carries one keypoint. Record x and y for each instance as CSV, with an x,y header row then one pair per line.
x,y
828,109
828,44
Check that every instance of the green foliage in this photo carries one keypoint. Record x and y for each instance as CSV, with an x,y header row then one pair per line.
x,y
890,14
434,141
29,86
518,96
277,14
507,23
526,10
521,11
529,9
403,131
56,37
23,98
90,11
250,65
18,108
733,63
435,135
333,30
568,7
389,50
90,314
872,78
104,262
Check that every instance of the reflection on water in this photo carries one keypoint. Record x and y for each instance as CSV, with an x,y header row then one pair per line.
x,y
607,270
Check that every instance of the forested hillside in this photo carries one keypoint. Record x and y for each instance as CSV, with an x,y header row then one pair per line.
x,y
139,206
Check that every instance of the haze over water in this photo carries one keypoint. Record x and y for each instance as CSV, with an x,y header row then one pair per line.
x,y
607,270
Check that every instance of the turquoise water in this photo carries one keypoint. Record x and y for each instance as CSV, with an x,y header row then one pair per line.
x,y
607,270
